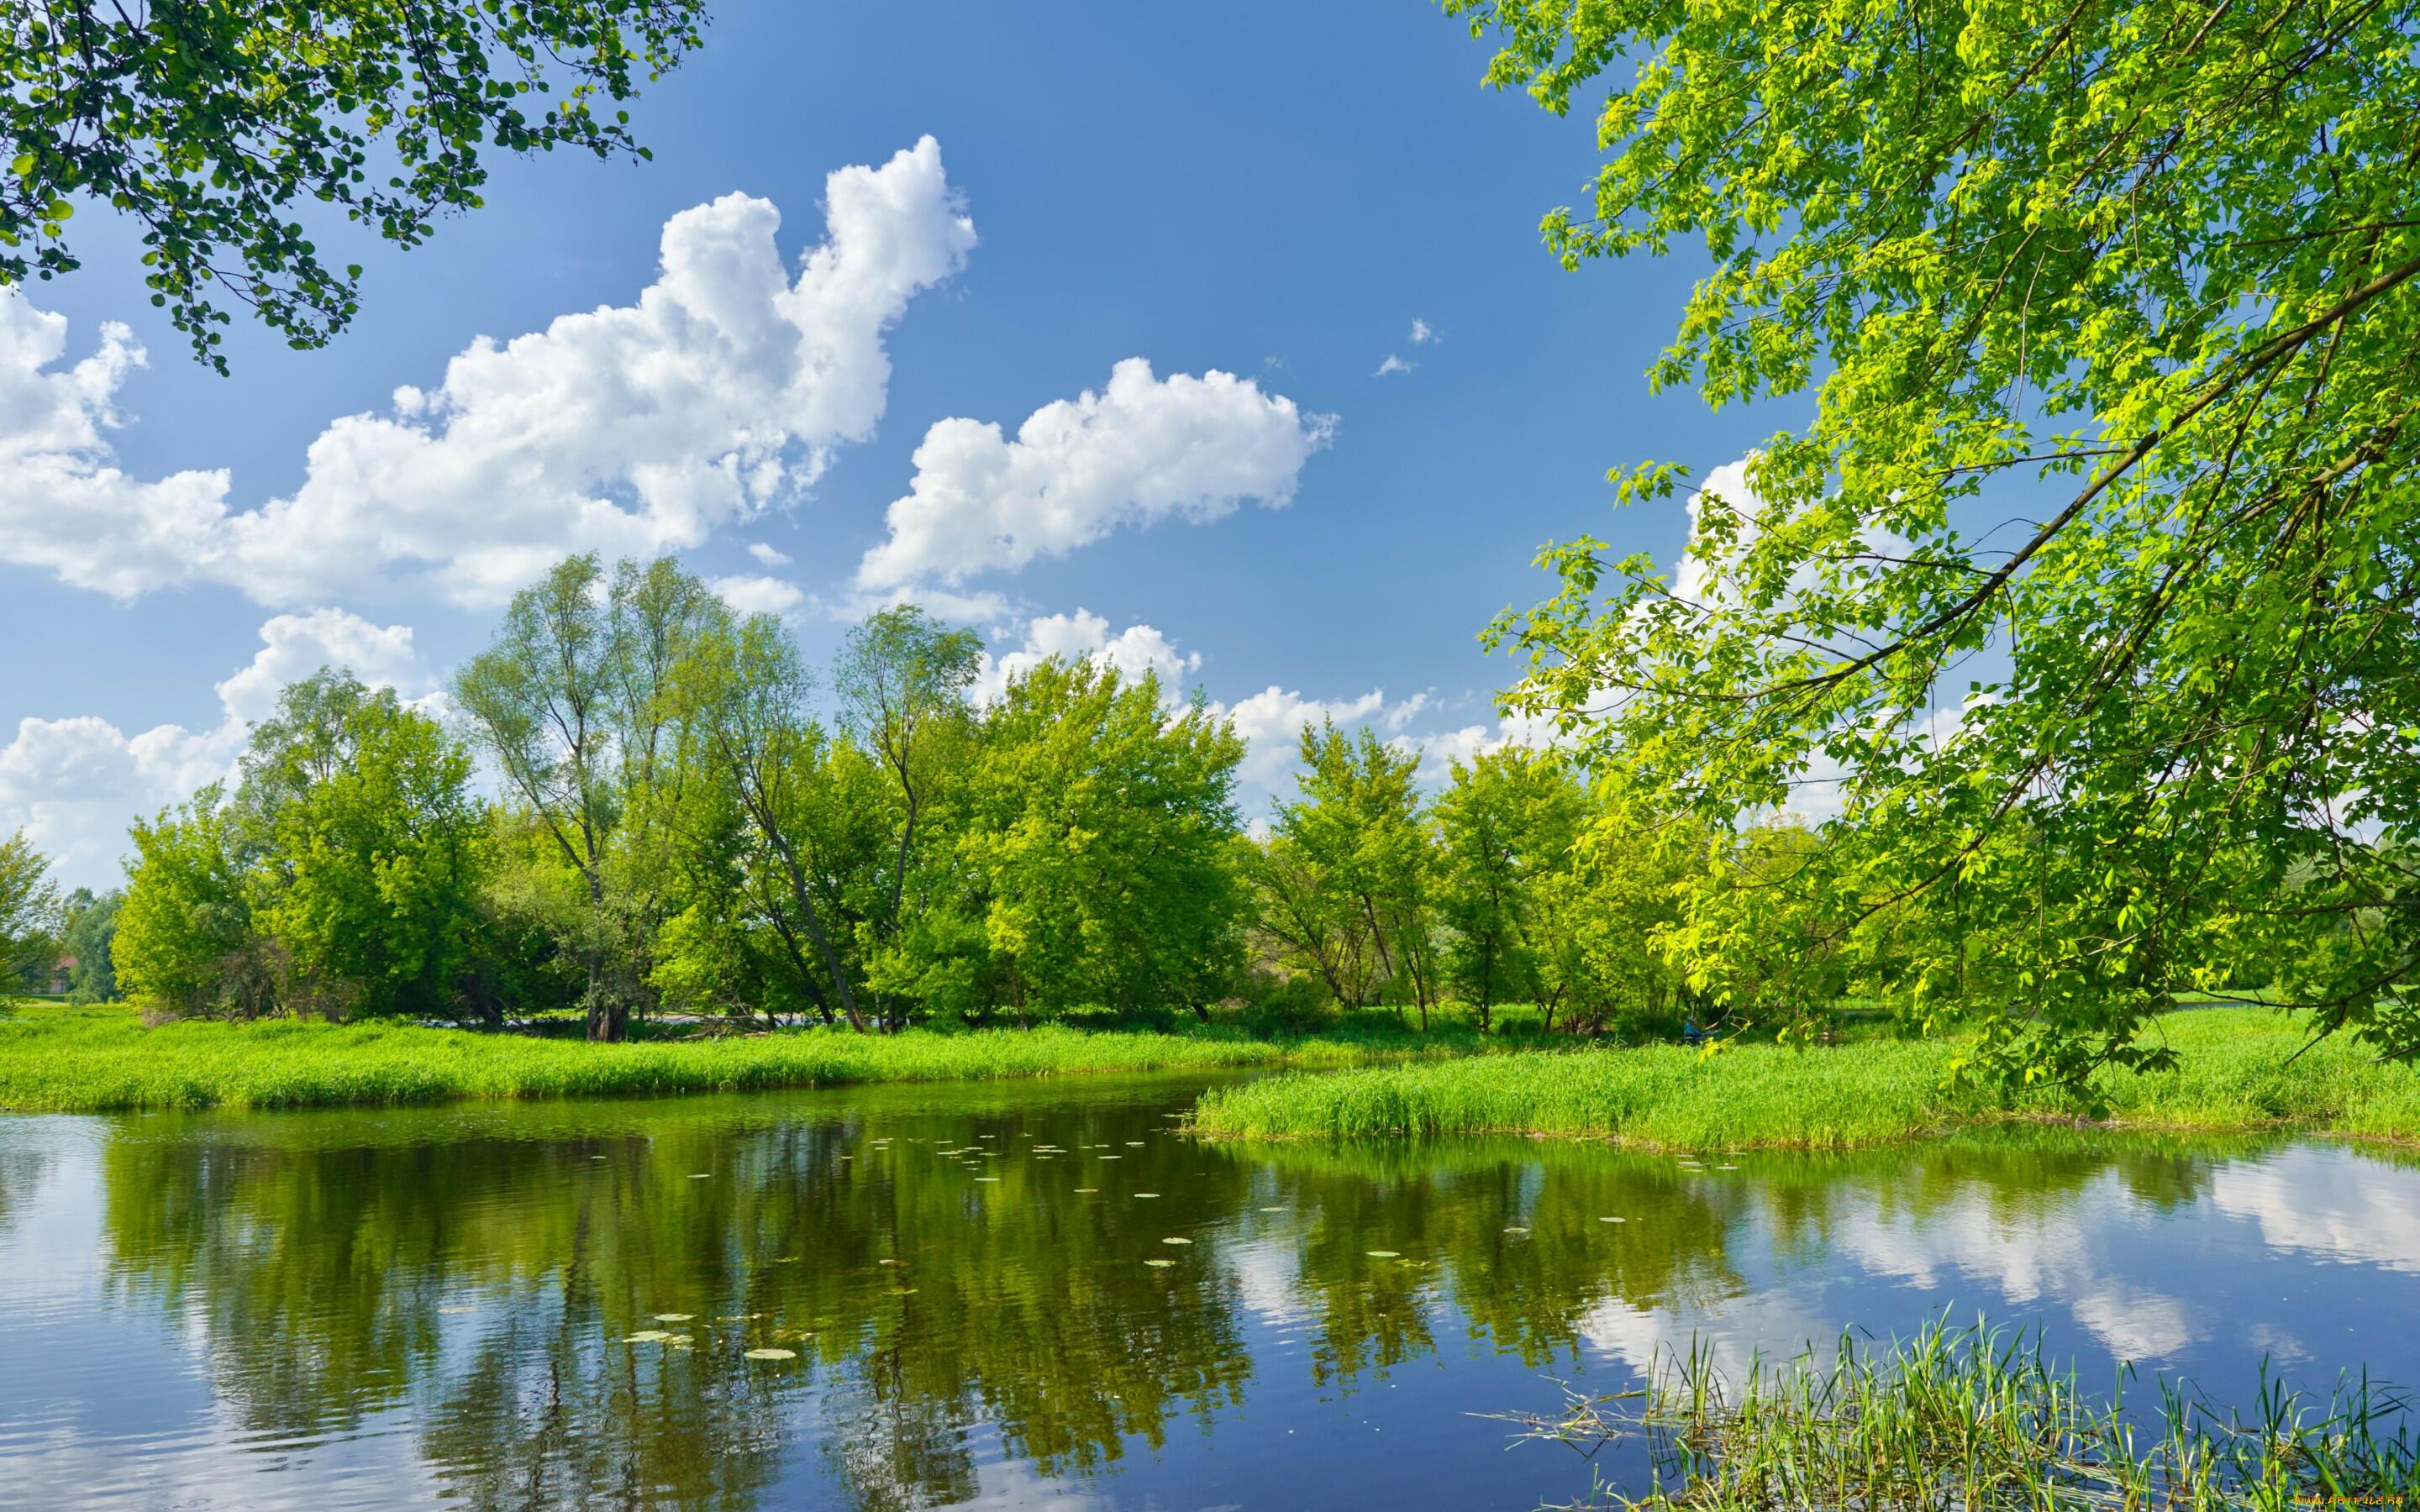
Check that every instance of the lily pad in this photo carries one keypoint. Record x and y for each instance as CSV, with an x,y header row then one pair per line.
x,y
1386,1254
1160,1265
1613,1220
1174,1241
772,1354
1146,1193
675,1318
647,1336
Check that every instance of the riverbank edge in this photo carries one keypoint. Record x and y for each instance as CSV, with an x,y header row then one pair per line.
x,y
2237,1077
1631,1145
105,1060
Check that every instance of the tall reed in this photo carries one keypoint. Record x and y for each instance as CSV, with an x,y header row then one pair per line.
x,y
1968,1419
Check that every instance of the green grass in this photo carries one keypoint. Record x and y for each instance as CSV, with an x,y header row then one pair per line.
x,y
104,1060
1970,1418
2235,1076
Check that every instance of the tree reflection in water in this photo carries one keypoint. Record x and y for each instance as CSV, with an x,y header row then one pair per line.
x,y
480,1271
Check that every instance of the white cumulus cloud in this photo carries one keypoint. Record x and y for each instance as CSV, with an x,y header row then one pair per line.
x,y
635,428
756,593
1132,652
1272,719
73,784
1139,451
769,556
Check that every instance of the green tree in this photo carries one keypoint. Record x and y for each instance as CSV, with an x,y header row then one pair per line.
x,y
743,695
185,939
29,906
906,684
2108,313
1343,884
570,702
1099,826
90,932
209,125
367,873
1304,926
1603,926
1505,828
530,901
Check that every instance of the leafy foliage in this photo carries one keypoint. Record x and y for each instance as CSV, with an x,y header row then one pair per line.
x,y
1506,828
678,832
186,938
1098,829
28,907
572,703
2093,575
89,937
1343,880
341,879
370,847
209,124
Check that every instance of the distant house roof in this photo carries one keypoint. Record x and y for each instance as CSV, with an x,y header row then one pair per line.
x,y
67,963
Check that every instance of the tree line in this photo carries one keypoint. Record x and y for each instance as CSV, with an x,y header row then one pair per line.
x,y
680,817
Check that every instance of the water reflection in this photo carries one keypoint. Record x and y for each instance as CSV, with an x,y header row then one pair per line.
x,y
985,1306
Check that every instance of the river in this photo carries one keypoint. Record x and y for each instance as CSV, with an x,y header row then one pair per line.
x,y
1042,1295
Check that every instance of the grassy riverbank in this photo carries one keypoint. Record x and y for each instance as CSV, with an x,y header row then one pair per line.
x,y
104,1060
2235,1076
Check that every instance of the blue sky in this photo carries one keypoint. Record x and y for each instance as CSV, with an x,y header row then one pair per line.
x,y
1272,192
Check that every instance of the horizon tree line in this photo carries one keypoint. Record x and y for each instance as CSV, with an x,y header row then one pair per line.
x,y
684,820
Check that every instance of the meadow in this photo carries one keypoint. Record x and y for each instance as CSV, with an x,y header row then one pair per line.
x,y
67,1059
2238,1074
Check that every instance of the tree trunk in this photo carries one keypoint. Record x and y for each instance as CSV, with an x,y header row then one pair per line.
x,y
594,1001
606,1023
806,902
798,961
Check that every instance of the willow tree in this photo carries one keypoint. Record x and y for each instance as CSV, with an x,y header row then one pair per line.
x,y
571,702
744,695
2090,586
906,684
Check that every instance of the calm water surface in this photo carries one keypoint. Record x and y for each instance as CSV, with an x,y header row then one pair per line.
x,y
394,1309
